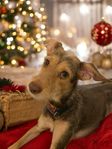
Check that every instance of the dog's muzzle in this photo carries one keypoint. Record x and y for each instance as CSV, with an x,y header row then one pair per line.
x,y
35,88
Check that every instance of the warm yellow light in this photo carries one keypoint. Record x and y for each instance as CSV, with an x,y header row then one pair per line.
x,y
14,62
38,35
13,47
8,43
20,48
8,47
70,34
22,33
20,9
38,49
43,38
12,26
30,8
44,17
31,15
36,45
64,17
28,2
33,42
39,39
3,34
25,52
2,67
56,32
44,32
24,13
1,62
42,9
6,1
14,33
84,9
43,26
28,39
38,15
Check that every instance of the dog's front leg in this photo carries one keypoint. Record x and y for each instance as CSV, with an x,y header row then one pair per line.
x,y
61,135
32,133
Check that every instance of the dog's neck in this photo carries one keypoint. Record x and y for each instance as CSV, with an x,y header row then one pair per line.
x,y
58,108
55,109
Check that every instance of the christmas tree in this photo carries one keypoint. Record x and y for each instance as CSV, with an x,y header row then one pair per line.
x,y
23,31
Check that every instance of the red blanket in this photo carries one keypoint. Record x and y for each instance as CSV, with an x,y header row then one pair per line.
x,y
100,139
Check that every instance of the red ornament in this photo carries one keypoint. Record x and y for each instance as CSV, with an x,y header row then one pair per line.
x,y
102,33
3,10
21,62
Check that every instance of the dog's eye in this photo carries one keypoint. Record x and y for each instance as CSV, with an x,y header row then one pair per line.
x,y
64,75
46,62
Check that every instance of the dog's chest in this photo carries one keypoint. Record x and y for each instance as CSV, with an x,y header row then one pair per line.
x,y
49,123
51,126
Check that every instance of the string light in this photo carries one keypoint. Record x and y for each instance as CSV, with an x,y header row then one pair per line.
x,y
30,8
6,1
42,9
28,2
31,14
14,62
1,62
20,32
24,13
13,47
84,9
42,26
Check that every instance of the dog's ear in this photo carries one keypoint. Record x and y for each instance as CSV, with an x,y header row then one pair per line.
x,y
53,47
88,71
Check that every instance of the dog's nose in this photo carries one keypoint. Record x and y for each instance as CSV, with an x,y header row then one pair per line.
x,y
35,88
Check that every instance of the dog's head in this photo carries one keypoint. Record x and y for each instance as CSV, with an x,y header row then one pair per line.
x,y
60,72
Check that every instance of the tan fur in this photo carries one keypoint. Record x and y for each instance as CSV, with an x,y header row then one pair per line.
x,y
52,87
60,129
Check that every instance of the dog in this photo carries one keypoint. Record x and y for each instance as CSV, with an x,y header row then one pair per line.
x,y
68,112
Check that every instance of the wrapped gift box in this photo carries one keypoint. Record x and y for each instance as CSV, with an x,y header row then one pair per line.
x,y
17,108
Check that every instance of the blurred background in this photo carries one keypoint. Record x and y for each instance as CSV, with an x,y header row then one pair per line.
x,y
83,26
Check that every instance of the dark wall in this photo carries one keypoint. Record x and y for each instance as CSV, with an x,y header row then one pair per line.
x,y
49,8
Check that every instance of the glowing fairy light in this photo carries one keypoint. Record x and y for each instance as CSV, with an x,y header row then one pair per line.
x,y
42,26
31,15
14,33
84,9
33,42
82,50
28,2
6,1
14,62
12,26
29,8
64,17
20,48
13,47
24,13
39,15
44,32
108,10
38,35
42,9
